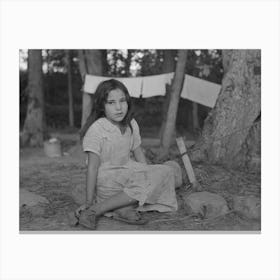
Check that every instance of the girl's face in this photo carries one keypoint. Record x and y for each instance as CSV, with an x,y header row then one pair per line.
x,y
116,106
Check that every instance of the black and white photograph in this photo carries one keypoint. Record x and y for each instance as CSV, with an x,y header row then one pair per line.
x,y
140,139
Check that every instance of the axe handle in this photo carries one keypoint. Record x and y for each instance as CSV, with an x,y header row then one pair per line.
x,y
186,159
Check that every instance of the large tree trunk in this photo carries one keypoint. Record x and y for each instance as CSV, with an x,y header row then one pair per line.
x,y
250,153
226,129
176,89
33,129
168,66
70,91
90,62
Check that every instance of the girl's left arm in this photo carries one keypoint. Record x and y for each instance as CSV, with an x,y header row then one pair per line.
x,y
139,155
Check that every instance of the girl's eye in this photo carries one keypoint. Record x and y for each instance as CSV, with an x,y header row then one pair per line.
x,y
113,102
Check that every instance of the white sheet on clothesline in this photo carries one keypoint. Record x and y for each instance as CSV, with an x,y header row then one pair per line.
x,y
134,85
194,89
156,85
200,91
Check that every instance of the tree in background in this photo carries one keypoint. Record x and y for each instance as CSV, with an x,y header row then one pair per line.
x,y
150,112
70,91
176,89
134,62
168,67
34,128
90,62
227,133
207,65
151,62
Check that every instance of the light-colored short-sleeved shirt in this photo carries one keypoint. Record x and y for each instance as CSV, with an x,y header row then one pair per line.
x,y
106,140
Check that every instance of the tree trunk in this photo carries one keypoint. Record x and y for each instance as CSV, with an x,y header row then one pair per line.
x,y
90,62
168,66
128,62
33,129
227,126
250,153
176,88
70,91
195,124
104,61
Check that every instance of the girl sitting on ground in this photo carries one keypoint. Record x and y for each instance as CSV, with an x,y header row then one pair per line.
x,y
114,180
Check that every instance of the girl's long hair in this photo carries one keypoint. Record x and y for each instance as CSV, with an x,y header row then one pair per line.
x,y
100,98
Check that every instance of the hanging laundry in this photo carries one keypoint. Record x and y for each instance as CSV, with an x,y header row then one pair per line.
x,y
91,83
155,85
134,85
200,91
194,89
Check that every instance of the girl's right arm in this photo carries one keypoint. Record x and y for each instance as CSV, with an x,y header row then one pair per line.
x,y
92,170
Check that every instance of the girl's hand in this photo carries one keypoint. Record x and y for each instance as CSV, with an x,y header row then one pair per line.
x,y
139,155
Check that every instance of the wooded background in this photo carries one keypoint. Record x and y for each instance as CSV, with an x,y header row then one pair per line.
x,y
51,97
206,64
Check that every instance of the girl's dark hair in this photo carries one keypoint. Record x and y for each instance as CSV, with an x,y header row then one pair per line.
x,y
100,98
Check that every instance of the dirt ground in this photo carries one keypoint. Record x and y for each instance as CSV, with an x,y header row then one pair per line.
x,y
53,179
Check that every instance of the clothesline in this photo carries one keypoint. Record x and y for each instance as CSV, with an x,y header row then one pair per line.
x,y
194,89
